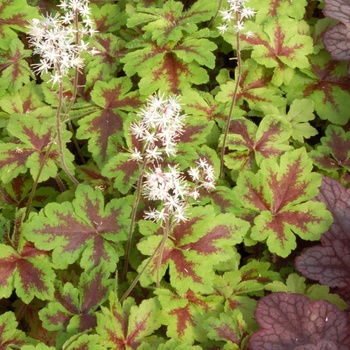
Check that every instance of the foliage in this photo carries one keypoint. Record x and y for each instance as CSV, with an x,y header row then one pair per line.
x,y
177,177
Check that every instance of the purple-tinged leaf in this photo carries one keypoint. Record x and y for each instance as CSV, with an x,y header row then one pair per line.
x,y
294,322
336,38
84,228
281,194
329,262
104,128
28,270
333,155
74,307
194,248
128,323
336,41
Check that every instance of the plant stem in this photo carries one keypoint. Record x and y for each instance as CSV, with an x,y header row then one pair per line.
x,y
233,102
134,282
133,217
162,245
59,135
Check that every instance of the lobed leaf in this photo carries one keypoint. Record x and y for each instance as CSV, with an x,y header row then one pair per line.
x,y
194,248
248,144
83,228
327,84
104,128
292,321
184,314
10,335
328,263
333,154
15,16
127,323
280,194
281,45
74,308
28,270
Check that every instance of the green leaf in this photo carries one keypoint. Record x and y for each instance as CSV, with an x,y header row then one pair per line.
x,y
194,248
255,88
15,71
10,336
34,137
248,144
265,9
104,128
325,83
28,270
15,16
333,154
280,193
85,228
74,308
123,170
128,323
282,45
161,69
184,314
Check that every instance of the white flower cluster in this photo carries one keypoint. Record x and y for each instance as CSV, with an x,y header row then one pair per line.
x,y
237,12
58,39
159,127
174,190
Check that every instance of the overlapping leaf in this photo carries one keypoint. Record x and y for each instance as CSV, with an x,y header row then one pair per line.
x,y
10,335
280,194
333,155
74,308
328,263
167,24
248,144
28,270
271,8
336,38
14,68
184,314
14,17
194,248
83,228
255,88
33,137
162,68
104,128
327,84
300,112
281,44
127,326
292,321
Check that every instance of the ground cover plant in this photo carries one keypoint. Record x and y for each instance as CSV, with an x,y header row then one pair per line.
x,y
174,174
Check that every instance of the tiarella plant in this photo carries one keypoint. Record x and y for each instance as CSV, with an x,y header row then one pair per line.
x,y
174,174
